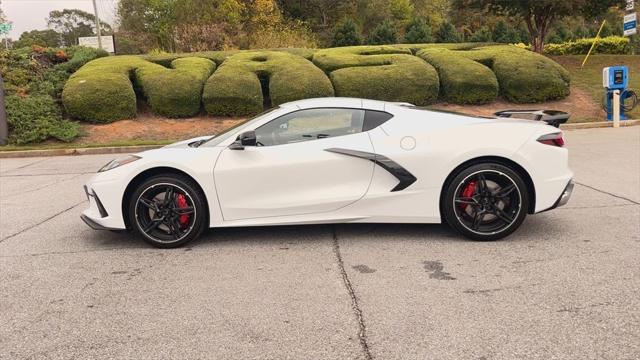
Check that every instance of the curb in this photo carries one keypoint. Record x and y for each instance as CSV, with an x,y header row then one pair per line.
x,y
77,151
599,124
135,149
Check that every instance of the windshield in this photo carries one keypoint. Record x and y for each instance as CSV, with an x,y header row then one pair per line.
x,y
225,134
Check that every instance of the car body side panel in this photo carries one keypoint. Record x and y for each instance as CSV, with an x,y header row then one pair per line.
x,y
110,186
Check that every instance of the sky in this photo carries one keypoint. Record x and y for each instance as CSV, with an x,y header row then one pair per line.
x,y
28,15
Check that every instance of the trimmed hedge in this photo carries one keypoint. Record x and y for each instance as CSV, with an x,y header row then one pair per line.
x,y
523,76
175,92
388,73
462,81
176,85
607,45
236,88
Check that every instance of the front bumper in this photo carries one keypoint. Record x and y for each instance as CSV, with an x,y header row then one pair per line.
x,y
104,210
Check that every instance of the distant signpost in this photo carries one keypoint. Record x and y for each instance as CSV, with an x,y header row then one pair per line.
x,y
630,24
630,19
92,41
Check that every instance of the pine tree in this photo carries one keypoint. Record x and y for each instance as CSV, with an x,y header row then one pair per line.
x,y
346,34
482,35
418,32
448,33
500,32
384,33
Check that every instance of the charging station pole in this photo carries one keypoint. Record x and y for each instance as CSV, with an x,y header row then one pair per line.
x,y
616,108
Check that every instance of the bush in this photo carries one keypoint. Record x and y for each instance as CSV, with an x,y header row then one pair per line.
x,y
236,88
101,91
418,32
346,34
523,76
608,45
482,35
379,72
447,33
80,55
175,92
37,118
462,81
383,34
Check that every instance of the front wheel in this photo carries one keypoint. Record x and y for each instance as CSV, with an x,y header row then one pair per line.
x,y
168,211
486,201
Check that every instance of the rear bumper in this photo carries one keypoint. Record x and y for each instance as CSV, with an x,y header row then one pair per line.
x,y
564,197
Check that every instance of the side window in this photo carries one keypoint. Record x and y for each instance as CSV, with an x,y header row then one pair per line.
x,y
373,119
310,124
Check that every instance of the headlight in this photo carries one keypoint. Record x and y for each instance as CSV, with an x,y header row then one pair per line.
x,y
119,162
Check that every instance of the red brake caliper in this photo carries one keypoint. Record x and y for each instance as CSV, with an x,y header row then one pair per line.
x,y
181,200
468,192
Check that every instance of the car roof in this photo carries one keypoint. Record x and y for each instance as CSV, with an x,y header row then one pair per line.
x,y
337,102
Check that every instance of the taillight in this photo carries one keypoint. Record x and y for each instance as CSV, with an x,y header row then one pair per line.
x,y
554,139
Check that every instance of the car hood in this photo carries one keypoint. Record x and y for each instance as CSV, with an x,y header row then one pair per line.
x,y
186,143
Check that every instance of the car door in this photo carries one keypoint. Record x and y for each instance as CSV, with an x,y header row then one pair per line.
x,y
290,171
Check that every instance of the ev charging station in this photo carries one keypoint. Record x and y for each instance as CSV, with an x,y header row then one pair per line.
x,y
619,99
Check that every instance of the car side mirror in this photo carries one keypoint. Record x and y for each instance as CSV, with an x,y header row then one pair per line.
x,y
247,138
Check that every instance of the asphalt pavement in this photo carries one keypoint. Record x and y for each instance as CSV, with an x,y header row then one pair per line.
x,y
565,286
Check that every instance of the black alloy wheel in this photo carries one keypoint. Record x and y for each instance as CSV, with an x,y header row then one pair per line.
x,y
486,202
168,211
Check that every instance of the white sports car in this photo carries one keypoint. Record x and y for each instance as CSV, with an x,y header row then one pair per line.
x,y
338,160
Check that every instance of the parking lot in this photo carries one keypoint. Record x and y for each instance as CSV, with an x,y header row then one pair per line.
x,y
565,286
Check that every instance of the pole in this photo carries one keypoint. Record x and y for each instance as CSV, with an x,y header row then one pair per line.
x,y
595,40
4,128
95,12
616,108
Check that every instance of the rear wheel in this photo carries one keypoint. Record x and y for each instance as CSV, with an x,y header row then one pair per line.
x,y
168,211
486,201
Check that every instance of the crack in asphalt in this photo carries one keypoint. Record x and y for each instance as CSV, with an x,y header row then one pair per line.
x,y
607,193
362,329
26,165
41,222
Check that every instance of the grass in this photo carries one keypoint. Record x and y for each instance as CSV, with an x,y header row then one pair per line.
x,y
589,78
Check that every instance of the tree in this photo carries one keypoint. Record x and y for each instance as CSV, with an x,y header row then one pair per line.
x,y
539,15
385,33
45,38
346,34
418,32
482,35
401,10
153,21
74,23
501,32
447,33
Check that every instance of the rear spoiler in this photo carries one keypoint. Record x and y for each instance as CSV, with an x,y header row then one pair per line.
x,y
551,117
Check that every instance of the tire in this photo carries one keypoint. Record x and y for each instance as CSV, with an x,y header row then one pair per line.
x,y
486,201
168,211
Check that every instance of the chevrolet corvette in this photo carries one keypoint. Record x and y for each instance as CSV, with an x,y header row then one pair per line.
x,y
338,160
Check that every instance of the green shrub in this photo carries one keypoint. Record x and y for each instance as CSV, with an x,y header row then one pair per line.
x,y
37,118
462,80
523,76
346,34
447,33
236,88
418,32
379,72
175,92
80,55
384,33
101,91
482,35
608,45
